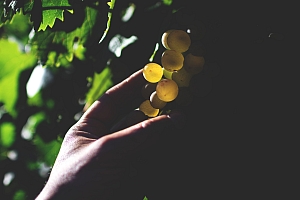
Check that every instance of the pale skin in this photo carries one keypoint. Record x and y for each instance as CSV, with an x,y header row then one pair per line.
x,y
95,152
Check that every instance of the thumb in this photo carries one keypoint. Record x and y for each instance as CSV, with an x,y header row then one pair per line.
x,y
143,135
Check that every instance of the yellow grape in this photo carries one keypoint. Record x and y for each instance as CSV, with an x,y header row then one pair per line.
x,y
147,109
156,102
152,72
193,64
177,40
164,38
167,90
172,60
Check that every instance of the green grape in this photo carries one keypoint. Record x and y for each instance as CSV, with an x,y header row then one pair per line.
x,y
177,40
147,109
193,64
182,77
152,72
156,102
172,60
167,90
147,90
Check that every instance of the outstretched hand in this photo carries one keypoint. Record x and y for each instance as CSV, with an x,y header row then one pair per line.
x,y
94,155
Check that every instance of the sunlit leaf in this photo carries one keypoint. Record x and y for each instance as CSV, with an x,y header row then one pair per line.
x,y
47,151
12,62
167,2
109,15
52,12
7,134
19,27
20,195
79,51
30,127
101,82
58,46
111,4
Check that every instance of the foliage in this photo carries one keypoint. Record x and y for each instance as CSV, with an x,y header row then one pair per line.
x,y
56,58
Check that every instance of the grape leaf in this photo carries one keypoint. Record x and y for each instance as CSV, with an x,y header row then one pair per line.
x,y
100,83
62,43
52,10
47,151
7,134
5,13
12,62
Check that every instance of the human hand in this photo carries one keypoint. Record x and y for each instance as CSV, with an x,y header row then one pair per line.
x,y
95,152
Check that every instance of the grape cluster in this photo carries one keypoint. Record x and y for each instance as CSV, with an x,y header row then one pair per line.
x,y
168,81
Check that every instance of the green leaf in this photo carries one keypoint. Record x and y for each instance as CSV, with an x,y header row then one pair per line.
x,y
111,5
47,151
7,134
55,47
19,27
12,62
20,195
101,82
32,123
6,14
167,2
52,12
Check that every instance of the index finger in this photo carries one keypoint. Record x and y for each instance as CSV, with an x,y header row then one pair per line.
x,y
115,102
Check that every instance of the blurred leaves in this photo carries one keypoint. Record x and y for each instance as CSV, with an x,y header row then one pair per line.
x,y
100,83
12,62
69,41
47,151
7,134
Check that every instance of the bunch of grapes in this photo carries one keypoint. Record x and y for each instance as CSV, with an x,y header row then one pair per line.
x,y
168,80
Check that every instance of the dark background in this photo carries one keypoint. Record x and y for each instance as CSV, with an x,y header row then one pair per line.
x,y
238,143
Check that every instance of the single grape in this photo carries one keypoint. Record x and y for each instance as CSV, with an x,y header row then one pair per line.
x,y
177,40
182,77
147,109
172,60
167,90
164,38
193,64
147,90
156,102
152,72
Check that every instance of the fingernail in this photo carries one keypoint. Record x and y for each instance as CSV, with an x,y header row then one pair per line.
x,y
178,119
